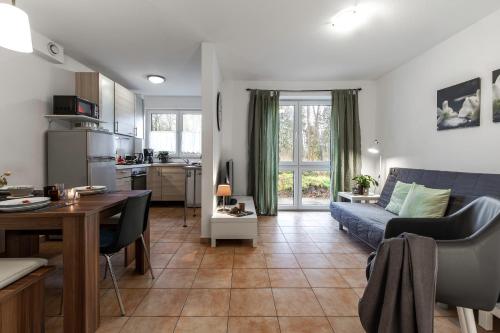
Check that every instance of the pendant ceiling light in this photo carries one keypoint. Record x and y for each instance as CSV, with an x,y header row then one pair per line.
x,y
15,32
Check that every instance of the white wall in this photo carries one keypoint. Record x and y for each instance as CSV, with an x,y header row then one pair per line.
x,y
172,102
235,120
211,83
26,88
407,104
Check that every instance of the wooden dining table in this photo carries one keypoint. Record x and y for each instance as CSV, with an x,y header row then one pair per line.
x,y
80,223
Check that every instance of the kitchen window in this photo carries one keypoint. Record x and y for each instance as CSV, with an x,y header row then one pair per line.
x,y
178,132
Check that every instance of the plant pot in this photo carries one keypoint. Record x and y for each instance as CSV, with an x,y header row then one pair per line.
x,y
366,190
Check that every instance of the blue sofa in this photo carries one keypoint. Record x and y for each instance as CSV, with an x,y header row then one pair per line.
x,y
367,221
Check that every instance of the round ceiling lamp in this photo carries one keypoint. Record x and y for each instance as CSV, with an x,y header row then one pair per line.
x,y
350,19
156,79
15,32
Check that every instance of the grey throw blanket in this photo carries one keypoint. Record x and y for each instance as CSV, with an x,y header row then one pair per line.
x,y
401,288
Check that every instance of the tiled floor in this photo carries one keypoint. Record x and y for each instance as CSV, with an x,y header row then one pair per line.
x,y
304,276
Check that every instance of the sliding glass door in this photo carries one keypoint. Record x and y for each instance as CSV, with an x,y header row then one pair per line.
x,y
304,153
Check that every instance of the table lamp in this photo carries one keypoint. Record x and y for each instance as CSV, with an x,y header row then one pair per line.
x,y
223,190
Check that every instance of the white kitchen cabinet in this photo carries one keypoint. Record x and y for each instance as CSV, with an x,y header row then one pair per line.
x,y
124,111
139,117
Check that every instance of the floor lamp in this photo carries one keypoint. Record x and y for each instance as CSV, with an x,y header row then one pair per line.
x,y
375,150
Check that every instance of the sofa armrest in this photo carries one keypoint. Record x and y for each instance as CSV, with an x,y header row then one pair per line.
x,y
437,228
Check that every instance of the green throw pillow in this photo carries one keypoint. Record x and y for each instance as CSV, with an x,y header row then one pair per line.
x,y
425,202
398,196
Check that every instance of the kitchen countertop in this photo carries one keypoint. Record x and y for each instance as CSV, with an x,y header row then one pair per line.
x,y
131,166
171,164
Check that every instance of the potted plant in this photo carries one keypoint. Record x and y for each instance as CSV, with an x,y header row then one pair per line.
x,y
3,178
163,156
363,183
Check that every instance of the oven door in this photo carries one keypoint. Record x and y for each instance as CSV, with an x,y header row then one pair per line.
x,y
139,182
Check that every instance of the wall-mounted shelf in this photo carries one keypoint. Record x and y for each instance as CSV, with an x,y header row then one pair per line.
x,y
73,118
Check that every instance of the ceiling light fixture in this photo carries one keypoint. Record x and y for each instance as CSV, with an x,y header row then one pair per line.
x,y
350,18
156,79
15,32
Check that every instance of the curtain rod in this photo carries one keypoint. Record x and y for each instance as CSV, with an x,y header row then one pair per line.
x,y
299,90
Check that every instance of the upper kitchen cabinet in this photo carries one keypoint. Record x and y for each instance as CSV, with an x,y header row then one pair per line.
x,y
139,117
98,89
124,111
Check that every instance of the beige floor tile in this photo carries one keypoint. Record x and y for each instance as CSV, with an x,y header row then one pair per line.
x,y
213,278
330,247
207,302
249,250
351,260
359,291
249,261
356,278
130,297
172,238
269,230
446,325
111,324
276,248
150,324
186,259
165,247
175,278
338,301
217,261
201,325
250,278
252,302
287,278
326,278
162,302
296,302
281,260
440,310
293,230
220,250
272,238
346,325
304,248
313,261
298,238
305,325
326,237
160,260
253,325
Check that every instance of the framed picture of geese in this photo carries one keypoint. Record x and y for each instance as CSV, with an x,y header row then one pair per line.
x,y
459,106
496,96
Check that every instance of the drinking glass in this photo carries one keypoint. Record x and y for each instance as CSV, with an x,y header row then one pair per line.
x,y
60,189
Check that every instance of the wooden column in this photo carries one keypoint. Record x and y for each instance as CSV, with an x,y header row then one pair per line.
x,y
81,273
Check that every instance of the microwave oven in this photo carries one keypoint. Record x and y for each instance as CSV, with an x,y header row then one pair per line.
x,y
74,105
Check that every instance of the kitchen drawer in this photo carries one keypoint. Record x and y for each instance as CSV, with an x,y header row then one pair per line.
x,y
124,184
124,173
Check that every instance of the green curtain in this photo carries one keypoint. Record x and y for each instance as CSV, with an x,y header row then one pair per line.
x,y
345,159
263,129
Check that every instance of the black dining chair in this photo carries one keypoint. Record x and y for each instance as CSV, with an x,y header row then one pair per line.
x,y
132,222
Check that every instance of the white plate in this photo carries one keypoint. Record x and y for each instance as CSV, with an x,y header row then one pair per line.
x,y
24,208
20,203
94,188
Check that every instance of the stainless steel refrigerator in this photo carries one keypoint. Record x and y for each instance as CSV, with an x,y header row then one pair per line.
x,y
81,157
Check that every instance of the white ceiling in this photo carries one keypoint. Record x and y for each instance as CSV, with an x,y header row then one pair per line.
x,y
256,39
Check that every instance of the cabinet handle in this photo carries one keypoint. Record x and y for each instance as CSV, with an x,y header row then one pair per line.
x,y
116,126
135,131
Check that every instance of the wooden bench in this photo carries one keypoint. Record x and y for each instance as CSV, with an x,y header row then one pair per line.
x,y
22,302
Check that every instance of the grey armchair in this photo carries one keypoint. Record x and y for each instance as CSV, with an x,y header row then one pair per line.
x,y
468,244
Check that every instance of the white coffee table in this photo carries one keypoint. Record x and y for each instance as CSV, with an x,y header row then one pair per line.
x,y
225,226
349,197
